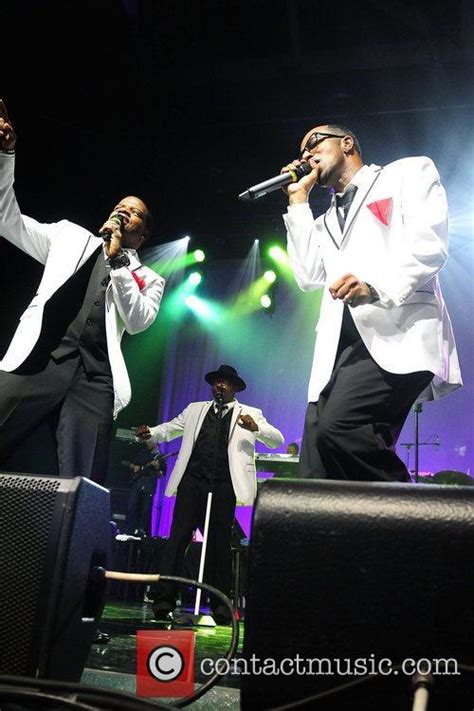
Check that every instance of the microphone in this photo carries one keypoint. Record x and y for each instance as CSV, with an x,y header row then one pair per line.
x,y
107,234
279,181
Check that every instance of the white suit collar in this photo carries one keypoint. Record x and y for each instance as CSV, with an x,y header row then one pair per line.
x,y
364,179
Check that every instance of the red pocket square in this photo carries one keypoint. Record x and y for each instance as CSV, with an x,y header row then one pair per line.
x,y
140,281
381,209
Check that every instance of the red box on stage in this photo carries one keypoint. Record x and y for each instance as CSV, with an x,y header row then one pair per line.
x,y
165,663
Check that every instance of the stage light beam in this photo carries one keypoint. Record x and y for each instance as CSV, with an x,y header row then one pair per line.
x,y
278,254
195,278
207,311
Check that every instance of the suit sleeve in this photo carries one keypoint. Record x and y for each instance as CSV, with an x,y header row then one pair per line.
x,y
169,430
27,234
422,244
269,435
137,306
304,248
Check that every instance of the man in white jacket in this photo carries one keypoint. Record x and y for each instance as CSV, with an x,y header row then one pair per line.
x,y
384,337
64,364
217,454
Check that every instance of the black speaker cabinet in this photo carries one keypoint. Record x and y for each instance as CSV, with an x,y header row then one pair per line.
x,y
52,532
359,577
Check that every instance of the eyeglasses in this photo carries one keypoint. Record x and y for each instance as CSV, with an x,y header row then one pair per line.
x,y
316,138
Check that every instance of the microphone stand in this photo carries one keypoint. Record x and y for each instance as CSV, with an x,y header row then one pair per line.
x,y
417,409
196,619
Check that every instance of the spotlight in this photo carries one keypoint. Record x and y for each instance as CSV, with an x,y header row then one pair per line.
x,y
270,276
195,278
278,254
192,302
265,301
208,312
199,255
280,257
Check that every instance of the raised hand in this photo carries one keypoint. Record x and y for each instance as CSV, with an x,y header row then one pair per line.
x,y
7,132
112,232
298,192
248,423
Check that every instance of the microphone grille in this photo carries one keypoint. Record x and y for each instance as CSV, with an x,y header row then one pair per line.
x,y
118,218
302,170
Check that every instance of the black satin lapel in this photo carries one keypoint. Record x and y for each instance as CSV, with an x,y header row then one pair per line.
x,y
329,231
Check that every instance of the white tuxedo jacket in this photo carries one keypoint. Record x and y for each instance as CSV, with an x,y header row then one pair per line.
x,y
63,248
396,239
241,447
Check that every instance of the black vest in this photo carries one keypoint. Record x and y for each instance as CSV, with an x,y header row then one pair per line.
x,y
83,324
213,432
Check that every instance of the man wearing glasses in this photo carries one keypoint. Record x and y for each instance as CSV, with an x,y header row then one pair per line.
x,y
384,337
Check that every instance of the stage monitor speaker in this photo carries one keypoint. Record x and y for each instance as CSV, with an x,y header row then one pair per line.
x,y
347,579
53,531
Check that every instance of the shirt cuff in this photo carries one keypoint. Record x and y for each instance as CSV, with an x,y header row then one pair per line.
x,y
300,207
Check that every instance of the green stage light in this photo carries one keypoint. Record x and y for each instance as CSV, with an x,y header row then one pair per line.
x,y
278,254
195,278
193,302
199,255
265,301
270,276
206,311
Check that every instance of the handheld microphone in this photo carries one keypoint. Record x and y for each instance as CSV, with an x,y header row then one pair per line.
x,y
279,181
107,234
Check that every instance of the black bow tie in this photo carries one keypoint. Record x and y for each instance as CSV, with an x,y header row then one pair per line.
x,y
347,196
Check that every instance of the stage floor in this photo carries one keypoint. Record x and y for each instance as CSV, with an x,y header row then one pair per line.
x,y
112,665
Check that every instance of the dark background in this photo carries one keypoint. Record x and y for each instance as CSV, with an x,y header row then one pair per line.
x,y
187,104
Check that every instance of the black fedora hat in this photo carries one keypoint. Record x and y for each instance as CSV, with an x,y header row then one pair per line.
x,y
227,372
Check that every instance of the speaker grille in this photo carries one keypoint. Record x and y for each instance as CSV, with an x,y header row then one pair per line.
x,y
23,500
365,571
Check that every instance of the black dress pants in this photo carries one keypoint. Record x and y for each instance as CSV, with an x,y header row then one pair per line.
x,y
78,408
189,514
351,431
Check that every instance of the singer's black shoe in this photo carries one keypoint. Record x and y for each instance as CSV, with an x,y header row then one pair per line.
x,y
101,638
163,611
